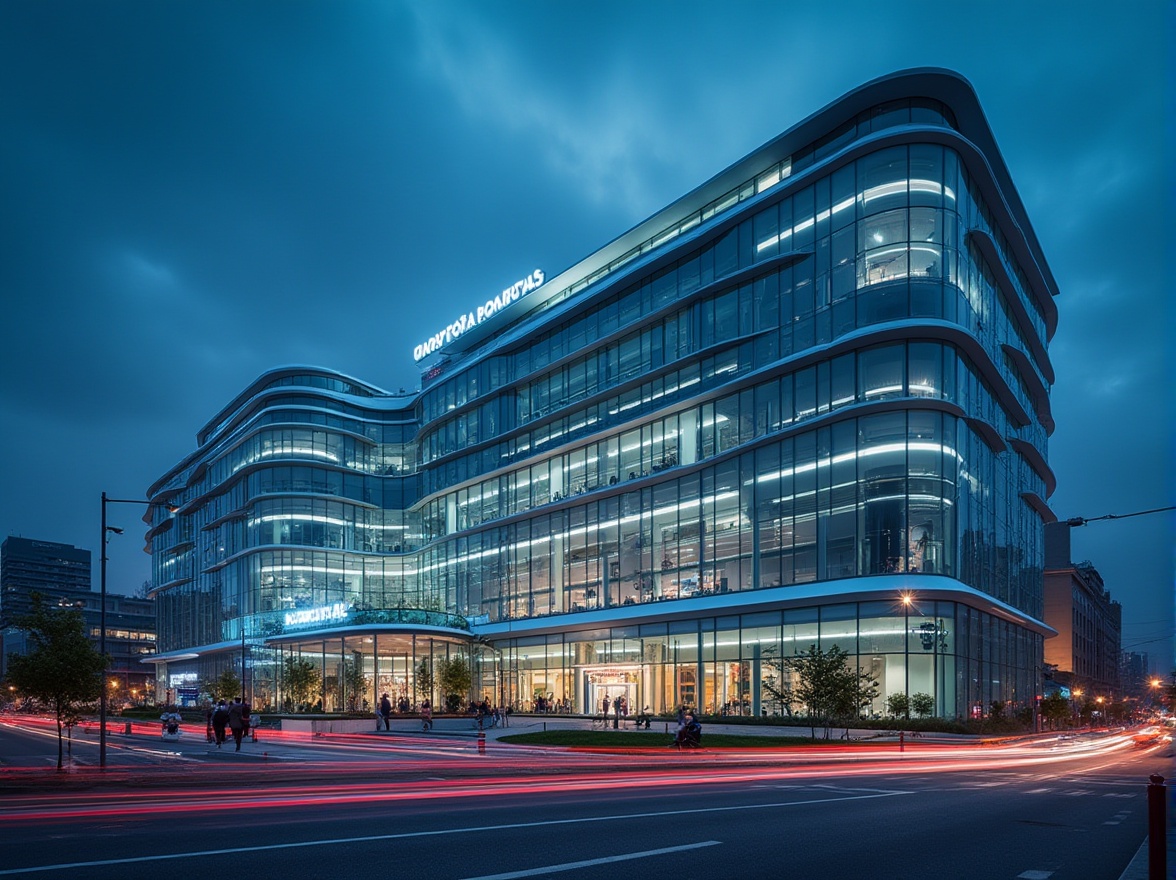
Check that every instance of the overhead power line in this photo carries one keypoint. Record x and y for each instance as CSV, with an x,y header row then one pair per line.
x,y
1082,520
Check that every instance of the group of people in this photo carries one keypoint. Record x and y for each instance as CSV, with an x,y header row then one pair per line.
x,y
235,716
384,712
495,716
547,704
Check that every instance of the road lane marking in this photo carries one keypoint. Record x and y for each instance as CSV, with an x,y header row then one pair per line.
x,y
1035,875
587,863
338,841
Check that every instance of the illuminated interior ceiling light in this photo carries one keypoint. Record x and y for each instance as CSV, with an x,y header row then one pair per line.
x,y
308,451
896,251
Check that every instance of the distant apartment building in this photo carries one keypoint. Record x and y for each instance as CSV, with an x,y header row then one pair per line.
x,y
60,573
1087,649
1135,673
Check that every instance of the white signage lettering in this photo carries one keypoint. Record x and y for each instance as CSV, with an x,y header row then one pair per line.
x,y
472,319
338,611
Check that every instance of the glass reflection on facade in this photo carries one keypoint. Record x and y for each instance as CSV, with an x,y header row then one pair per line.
x,y
716,441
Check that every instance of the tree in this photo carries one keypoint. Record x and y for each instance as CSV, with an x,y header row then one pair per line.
x,y
301,680
922,704
224,687
355,682
454,678
1055,708
63,669
899,705
777,685
824,682
422,682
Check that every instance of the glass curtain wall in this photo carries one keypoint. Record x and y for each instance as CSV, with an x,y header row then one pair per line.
x,y
963,658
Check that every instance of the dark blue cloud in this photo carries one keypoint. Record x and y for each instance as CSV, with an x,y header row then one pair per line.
x,y
191,194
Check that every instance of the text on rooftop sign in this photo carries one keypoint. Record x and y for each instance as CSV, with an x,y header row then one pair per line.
x,y
472,319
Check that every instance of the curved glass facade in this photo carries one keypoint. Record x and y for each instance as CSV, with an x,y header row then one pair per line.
x,y
750,430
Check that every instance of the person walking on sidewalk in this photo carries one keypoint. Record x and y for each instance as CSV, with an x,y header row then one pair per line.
x,y
237,722
385,713
426,715
220,717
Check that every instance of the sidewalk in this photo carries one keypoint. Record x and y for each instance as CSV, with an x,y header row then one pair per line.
x,y
1138,869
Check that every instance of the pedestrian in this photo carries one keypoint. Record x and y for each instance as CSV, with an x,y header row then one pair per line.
x,y
237,722
220,718
426,715
607,703
385,713
247,718
208,710
617,704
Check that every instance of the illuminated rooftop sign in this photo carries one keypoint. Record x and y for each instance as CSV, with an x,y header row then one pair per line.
x,y
483,312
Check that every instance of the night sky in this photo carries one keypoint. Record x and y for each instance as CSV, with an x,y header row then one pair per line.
x,y
194,193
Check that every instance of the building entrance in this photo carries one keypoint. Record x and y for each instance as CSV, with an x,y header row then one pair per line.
x,y
613,682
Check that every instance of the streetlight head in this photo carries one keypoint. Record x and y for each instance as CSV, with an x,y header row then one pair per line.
x,y
114,529
907,599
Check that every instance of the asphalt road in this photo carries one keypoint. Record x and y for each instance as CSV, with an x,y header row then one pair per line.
x,y
1070,811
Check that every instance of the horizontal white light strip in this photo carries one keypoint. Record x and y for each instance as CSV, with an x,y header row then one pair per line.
x,y
883,449
874,192
326,520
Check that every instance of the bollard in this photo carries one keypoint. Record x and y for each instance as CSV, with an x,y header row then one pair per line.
x,y
1157,828
481,743
902,740
127,732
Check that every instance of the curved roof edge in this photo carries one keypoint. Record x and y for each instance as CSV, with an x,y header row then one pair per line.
x,y
267,378
942,84
207,434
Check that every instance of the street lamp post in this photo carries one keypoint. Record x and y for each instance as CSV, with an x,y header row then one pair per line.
x,y
907,598
107,530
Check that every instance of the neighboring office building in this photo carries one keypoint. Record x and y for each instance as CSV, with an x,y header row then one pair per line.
x,y
61,574
1089,623
28,566
750,424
